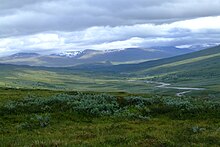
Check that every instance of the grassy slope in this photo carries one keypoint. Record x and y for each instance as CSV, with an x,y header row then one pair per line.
x,y
198,69
160,62
66,79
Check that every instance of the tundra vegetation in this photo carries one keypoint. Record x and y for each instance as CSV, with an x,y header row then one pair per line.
x,y
67,118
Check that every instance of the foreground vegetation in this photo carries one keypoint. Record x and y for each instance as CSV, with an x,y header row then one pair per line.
x,y
62,118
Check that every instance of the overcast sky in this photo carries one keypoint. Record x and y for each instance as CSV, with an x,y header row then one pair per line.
x,y
58,25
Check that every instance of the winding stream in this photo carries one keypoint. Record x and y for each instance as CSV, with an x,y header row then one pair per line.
x,y
168,86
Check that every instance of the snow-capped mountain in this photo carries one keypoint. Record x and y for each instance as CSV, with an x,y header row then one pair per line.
x,y
78,54
69,54
89,56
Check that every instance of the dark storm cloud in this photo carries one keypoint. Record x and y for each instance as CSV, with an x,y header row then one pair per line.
x,y
22,17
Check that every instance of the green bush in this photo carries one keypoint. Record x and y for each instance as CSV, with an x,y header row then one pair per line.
x,y
89,104
35,121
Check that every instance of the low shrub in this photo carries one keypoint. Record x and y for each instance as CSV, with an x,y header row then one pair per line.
x,y
107,105
35,121
89,104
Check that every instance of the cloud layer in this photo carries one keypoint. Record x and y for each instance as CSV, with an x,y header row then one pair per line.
x,y
54,25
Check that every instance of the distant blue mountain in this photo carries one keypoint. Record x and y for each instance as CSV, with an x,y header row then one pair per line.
x,y
89,56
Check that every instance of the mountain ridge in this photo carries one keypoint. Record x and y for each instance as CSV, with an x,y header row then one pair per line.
x,y
88,56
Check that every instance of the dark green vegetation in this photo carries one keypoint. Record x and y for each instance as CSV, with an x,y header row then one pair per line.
x,y
45,118
38,105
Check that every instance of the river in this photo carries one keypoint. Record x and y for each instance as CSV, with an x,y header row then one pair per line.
x,y
168,86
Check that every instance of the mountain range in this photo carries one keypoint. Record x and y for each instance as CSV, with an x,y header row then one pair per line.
x,y
89,56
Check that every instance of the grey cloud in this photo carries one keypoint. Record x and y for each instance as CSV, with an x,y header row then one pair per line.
x,y
57,25
23,17
142,35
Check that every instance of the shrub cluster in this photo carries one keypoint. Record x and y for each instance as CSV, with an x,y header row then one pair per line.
x,y
88,104
83,103
107,105
191,104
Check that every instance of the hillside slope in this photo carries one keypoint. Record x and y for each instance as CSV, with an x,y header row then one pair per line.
x,y
195,69
206,53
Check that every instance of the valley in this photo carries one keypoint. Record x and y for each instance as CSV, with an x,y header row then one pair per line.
x,y
109,73
198,70
160,102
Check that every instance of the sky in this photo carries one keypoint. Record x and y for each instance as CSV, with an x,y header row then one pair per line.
x,y
53,26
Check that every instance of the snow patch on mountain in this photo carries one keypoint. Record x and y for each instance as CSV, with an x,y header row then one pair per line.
x,y
69,54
